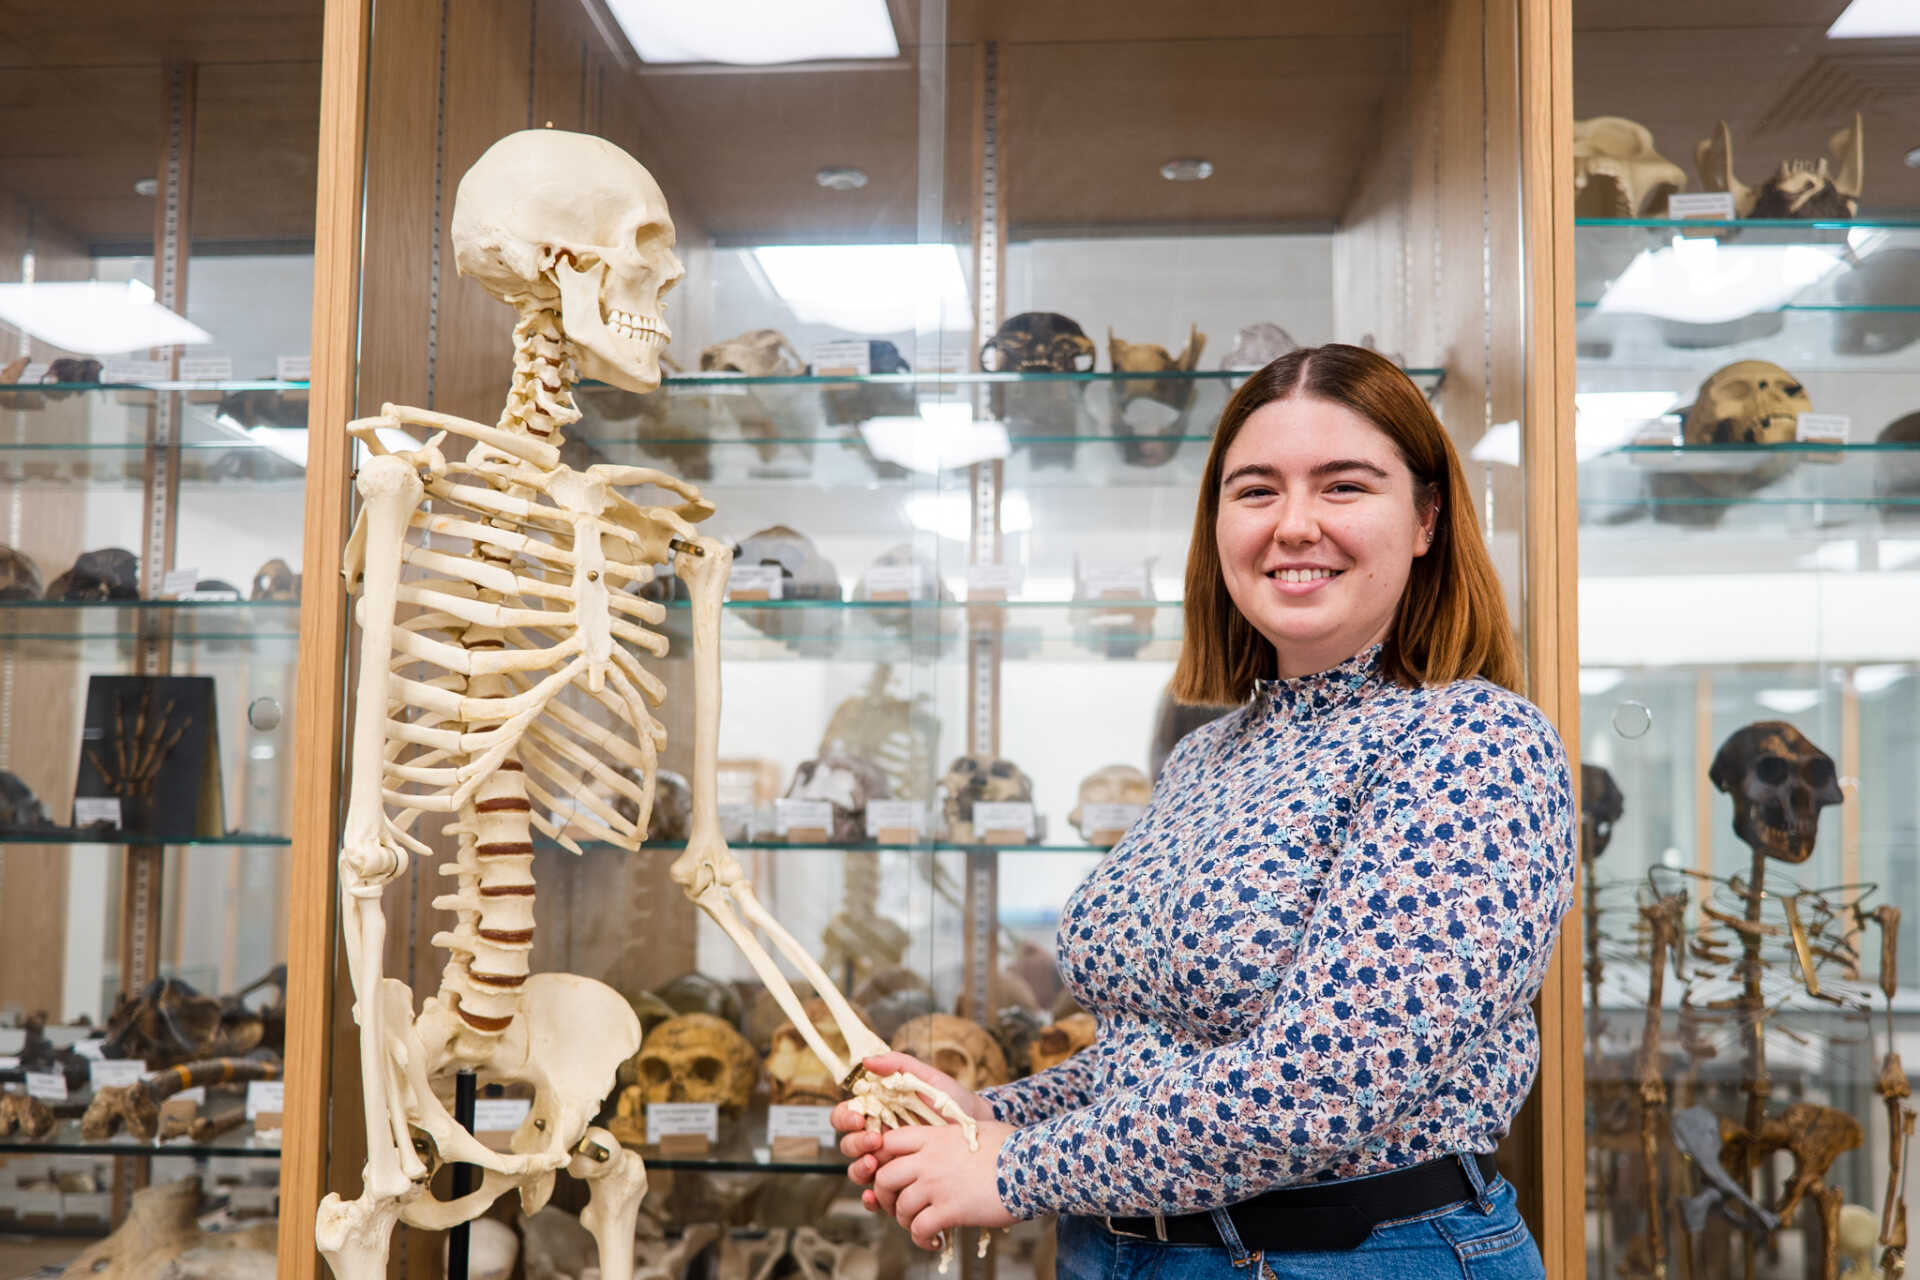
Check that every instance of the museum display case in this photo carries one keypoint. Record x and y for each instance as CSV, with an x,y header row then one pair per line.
x,y
1747,380
156,226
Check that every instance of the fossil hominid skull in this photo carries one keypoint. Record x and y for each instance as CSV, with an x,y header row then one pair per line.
x,y
548,216
1799,188
797,1076
1600,807
1111,784
1747,402
1038,342
1617,173
1056,1043
758,353
1779,782
697,1058
972,779
958,1046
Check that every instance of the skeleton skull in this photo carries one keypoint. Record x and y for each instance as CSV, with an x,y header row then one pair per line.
x,y
1747,402
1038,342
764,1016
1056,1043
805,574
276,580
957,1046
111,573
546,216
1600,807
797,1076
1113,784
759,353
697,1058
972,779
1779,782
1799,189
1617,173
845,783
1258,345
19,578
697,993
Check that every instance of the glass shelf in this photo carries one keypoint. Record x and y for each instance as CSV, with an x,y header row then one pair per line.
x,y
65,1140
212,623
80,835
1770,226
846,846
861,632
243,384
123,463
1879,476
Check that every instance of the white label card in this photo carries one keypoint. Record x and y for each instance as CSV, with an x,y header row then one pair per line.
x,y
266,1095
48,1086
62,1036
93,1048
88,810
667,1119
800,815
206,368
178,580
894,815
89,1204
1823,428
12,1039
896,580
1712,205
842,359
115,1073
293,368
136,371
500,1115
37,1204
1109,817
1001,578
214,596
800,1122
1130,580
1657,432
1002,816
756,579
9,1062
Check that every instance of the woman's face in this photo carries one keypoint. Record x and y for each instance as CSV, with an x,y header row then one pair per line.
x,y
1317,530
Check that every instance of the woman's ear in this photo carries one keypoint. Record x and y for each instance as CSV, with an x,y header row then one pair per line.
x,y
1428,523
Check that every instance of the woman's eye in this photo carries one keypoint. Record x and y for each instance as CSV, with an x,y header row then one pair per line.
x,y
1345,486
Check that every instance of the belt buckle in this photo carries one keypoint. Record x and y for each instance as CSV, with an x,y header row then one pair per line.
x,y
1159,1230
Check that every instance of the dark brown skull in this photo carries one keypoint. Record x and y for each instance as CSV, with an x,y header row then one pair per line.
x,y
110,573
1038,342
1600,807
19,578
1779,782
276,580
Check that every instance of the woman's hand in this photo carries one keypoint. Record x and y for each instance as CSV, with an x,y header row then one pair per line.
x,y
930,1182
861,1147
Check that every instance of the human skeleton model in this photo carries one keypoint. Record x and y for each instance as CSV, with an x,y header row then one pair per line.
x,y
459,711
1739,973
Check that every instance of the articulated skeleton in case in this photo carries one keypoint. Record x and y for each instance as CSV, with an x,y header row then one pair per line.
x,y
494,606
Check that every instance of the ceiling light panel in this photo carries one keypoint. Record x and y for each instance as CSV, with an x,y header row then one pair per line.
x,y
1876,19
756,33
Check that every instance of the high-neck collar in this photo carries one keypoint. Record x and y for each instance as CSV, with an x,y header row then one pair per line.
x,y
1309,696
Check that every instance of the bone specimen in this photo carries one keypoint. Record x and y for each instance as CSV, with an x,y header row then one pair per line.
x,y
19,577
1149,416
1038,342
972,779
797,1077
130,761
25,1115
847,785
110,573
160,1226
1617,173
958,1046
1061,1040
1258,345
276,580
492,1249
20,809
805,574
169,1022
1859,1231
492,683
137,1106
1779,782
1749,402
1799,188
760,353
698,1058
1110,785
764,1016
697,993
1014,1028
1896,481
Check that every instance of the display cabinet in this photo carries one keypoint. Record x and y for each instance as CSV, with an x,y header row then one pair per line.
x,y
1746,393
156,223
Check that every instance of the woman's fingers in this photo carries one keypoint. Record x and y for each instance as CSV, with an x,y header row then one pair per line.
x,y
908,1205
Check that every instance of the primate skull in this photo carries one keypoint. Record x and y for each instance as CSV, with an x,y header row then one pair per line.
x,y
19,578
1600,807
1056,1043
1617,173
847,784
1748,402
758,353
547,216
276,580
111,573
1779,782
697,1058
797,1076
1258,345
958,1046
972,779
1038,342
1112,784
1799,188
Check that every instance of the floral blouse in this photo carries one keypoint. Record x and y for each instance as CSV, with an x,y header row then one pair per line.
x,y
1313,955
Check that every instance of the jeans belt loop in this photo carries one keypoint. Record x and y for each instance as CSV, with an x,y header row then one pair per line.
x,y
1160,1227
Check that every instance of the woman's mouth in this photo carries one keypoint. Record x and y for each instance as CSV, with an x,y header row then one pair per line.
x,y
1302,581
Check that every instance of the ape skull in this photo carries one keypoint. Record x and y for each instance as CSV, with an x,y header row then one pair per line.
x,y
695,992
1112,784
958,1046
1038,342
805,574
697,1058
1600,807
1747,402
111,573
276,580
1056,1043
547,216
847,784
19,578
759,353
797,1076
1145,357
1617,173
1779,782
1258,345
972,779
1799,188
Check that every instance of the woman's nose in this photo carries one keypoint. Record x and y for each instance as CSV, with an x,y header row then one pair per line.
x,y
1295,522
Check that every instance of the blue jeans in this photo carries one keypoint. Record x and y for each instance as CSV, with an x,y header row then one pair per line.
x,y
1471,1240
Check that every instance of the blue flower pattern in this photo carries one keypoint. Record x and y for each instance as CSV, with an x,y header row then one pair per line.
x,y
1313,955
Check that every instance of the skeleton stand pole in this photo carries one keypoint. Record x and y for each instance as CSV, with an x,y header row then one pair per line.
x,y
1753,1014
459,1238
1660,918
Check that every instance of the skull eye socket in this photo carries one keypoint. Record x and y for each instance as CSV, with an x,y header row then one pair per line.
x,y
1771,770
953,1062
1794,389
1817,772
655,1071
1000,769
1738,389
707,1070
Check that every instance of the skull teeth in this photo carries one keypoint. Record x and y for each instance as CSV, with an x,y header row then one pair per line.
x,y
636,327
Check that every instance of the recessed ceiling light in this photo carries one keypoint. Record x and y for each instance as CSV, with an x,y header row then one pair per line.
x,y
1187,169
756,32
147,187
841,178
1913,158
1871,19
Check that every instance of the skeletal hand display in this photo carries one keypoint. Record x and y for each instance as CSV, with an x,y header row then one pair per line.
x,y
501,671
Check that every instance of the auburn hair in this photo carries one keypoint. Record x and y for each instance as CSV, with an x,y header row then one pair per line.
x,y
1452,621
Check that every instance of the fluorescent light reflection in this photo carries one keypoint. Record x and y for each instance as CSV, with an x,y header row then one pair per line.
x,y
950,514
1595,681
1788,702
96,318
869,288
1701,281
1876,19
944,437
1878,677
756,32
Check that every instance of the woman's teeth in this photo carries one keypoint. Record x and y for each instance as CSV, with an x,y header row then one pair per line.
x,y
1303,575
631,325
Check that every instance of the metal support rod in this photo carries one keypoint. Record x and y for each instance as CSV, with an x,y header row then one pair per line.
x,y
464,1093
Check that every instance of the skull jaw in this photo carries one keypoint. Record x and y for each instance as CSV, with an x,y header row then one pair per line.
x,y
1783,843
632,364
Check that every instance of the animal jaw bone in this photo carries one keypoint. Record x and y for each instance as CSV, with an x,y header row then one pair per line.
x,y
1799,189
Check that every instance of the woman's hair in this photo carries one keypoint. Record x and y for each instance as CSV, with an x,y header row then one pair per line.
x,y
1452,620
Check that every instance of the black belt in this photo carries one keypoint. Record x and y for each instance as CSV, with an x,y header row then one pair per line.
x,y
1320,1216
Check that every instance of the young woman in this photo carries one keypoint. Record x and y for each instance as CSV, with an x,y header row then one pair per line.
x,y
1312,958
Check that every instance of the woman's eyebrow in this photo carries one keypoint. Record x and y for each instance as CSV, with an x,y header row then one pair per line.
x,y
1269,472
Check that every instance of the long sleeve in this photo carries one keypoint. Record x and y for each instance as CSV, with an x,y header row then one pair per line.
x,y
1403,1011
1064,1087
